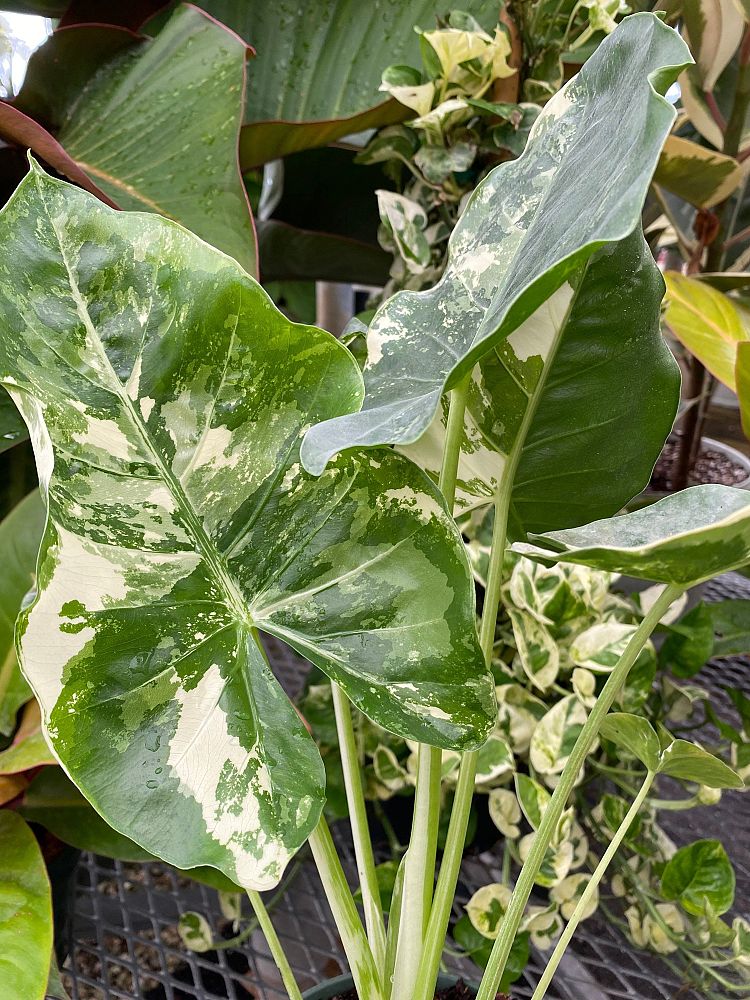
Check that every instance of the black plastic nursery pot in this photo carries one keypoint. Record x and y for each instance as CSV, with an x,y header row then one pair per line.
x,y
334,987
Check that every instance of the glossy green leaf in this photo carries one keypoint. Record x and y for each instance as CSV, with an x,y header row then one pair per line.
x,y
20,534
506,256
532,797
634,734
556,734
59,69
700,873
167,141
317,73
25,912
690,642
173,396
565,364
683,539
690,762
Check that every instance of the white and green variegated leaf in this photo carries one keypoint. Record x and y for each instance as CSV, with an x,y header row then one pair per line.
x,y
566,895
557,860
167,398
551,394
518,712
20,534
505,812
683,539
533,799
600,647
536,648
487,907
556,734
714,29
507,256
544,924
495,762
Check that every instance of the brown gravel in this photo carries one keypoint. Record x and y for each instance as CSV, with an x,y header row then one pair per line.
x,y
711,467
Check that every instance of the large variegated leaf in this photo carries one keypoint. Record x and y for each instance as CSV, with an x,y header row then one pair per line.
x,y
25,912
683,539
714,28
528,228
20,534
166,398
589,446
157,128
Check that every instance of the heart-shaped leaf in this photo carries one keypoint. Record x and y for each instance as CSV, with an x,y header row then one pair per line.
x,y
563,368
634,734
25,912
20,534
683,539
527,230
697,874
690,762
167,398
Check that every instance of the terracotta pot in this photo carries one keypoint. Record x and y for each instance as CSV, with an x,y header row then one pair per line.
x,y
332,987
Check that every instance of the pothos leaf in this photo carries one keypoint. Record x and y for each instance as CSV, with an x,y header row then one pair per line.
x,y
167,397
634,734
25,912
507,255
683,539
690,762
700,873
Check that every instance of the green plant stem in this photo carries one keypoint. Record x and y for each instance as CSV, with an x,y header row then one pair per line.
x,y
368,879
356,947
591,887
287,976
459,821
456,839
419,862
509,927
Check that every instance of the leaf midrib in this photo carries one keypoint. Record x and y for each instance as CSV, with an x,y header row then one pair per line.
x,y
233,596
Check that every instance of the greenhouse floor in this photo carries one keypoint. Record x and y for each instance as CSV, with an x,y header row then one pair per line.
x,y
125,943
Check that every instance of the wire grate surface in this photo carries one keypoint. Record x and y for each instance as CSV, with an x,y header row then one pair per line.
x,y
126,946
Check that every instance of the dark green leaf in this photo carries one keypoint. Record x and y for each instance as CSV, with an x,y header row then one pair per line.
x,y
731,622
697,874
690,642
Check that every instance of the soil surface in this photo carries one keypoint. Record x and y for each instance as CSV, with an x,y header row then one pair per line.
x,y
458,992
711,467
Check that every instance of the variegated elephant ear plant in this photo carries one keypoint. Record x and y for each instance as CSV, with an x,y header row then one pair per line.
x,y
185,435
